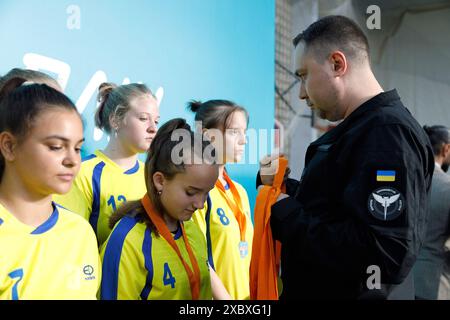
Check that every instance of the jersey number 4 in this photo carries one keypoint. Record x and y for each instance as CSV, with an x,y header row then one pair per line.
x,y
168,278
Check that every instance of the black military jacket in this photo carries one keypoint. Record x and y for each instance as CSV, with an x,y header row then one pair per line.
x,y
353,226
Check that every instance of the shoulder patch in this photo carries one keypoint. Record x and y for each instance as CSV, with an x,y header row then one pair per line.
x,y
386,203
386,175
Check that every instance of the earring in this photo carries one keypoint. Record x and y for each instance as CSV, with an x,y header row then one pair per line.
x,y
159,193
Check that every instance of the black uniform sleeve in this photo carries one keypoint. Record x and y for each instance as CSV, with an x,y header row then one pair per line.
x,y
350,236
258,180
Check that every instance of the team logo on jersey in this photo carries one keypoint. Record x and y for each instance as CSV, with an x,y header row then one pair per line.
x,y
88,271
386,203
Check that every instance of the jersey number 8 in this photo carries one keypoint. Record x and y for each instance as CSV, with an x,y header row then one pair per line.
x,y
223,218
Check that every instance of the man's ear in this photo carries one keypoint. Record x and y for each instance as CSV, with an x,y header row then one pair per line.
x,y
8,143
445,150
158,181
339,63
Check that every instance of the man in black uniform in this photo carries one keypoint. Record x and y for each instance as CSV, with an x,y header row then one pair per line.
x,y
431,259
352,227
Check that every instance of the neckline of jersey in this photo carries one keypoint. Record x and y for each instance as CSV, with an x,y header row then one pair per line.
x,y
22,227
114,165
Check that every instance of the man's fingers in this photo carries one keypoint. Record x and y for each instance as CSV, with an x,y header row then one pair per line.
x,y
266,160
266,180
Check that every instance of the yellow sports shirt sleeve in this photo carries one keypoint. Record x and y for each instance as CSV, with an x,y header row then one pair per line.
x,y
78,199
123,277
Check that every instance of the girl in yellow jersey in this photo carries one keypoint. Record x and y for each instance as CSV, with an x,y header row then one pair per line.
x,y
155,251
225,219
110,177
46,252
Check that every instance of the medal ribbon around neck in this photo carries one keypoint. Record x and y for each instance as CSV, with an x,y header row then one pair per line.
x,y
194,276
236,205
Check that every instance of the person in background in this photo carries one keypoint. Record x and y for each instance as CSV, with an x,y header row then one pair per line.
x,y
110,177
430,263
31,76
225,219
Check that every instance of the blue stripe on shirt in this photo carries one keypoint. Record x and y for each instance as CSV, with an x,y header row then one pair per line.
x,y
111,258
147,251
208,232
96,176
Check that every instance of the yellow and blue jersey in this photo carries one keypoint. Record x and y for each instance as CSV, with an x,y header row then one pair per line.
x,y
100,188
57,260
137,264
222,233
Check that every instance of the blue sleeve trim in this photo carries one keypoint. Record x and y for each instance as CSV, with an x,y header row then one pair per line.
x,y
208,232
147,251
111,258
96,176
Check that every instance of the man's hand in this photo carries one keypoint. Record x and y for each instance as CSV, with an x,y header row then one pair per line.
x,y
282,196
268,167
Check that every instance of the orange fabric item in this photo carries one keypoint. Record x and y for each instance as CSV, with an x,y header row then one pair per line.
x,y
194,276
236,205
265,262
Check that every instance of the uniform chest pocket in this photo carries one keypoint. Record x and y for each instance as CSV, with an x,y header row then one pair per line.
x,y
317,174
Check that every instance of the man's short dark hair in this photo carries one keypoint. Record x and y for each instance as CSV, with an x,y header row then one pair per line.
x,y
439,135
335,33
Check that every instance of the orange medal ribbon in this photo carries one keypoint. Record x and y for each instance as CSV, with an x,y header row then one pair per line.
x,y
236,207
265,260
194,277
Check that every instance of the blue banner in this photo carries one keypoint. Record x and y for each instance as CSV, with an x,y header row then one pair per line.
x,y
182,49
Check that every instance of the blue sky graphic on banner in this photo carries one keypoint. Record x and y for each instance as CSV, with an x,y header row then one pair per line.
x,y
182,49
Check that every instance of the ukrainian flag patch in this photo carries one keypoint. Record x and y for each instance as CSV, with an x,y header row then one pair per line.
x,y
386,175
